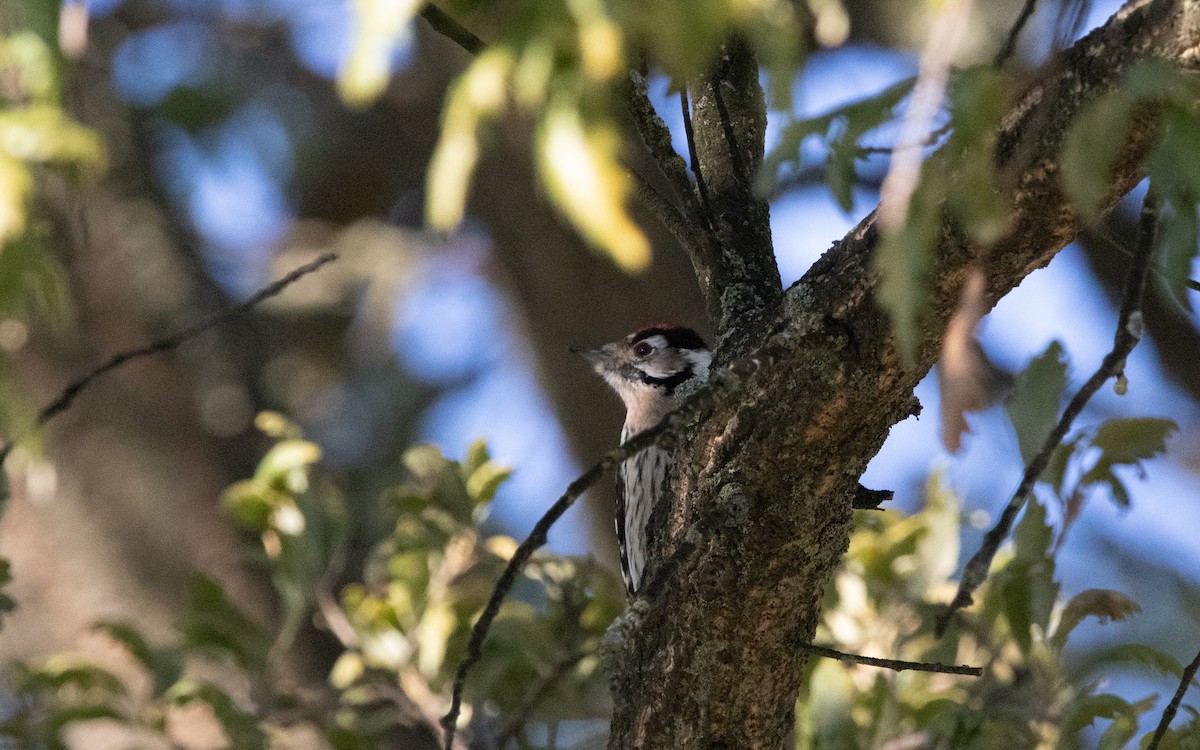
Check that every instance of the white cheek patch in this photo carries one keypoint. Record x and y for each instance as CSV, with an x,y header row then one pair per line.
x,y
700,360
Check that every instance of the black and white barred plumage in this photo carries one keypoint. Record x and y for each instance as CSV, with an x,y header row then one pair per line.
x,y
645,368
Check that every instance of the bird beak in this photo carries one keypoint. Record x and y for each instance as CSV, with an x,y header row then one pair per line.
x,y
599,359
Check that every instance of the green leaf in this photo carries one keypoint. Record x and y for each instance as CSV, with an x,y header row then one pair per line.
x,y
241,727
580,167
1016,595
128,637
7,603
1088,708
1034,404
1104,604
1029,590
1090,149
212,624
1125,725
486,480
1126,442
979,99
1135,653
903,257
840,129
1180,235
477,456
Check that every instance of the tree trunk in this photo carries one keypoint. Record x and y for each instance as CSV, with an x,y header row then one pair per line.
x,y
711,658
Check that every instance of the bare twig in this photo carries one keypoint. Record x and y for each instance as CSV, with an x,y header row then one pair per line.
x,y
1010,43
897,665
1129,331
929,140
657,137
443,24
694,407
75,387
688,131
1189,674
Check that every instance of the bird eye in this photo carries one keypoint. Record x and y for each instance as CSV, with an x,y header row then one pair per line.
x,y
642,349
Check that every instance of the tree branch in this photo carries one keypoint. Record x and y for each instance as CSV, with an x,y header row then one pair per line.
x,y
158,346
896,665
728,116
1129,332
1010,42
445,25
760,515
1189,674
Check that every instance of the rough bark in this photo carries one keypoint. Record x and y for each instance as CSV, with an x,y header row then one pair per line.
x,y
711,660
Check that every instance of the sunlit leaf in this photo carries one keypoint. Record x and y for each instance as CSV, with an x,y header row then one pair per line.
x,y
580,168
379,27
486,480
15,186
44,133
477,95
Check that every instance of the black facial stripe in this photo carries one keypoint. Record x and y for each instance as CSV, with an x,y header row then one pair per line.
x,y
677,338
670,383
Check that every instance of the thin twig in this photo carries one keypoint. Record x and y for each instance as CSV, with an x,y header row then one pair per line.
x,y
929,140
445,25
694,407
657,137
1129,331
1189,673
1010,43
158,346
701,187
897,665
1158,268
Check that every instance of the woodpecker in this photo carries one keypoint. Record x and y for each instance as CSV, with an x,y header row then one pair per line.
x,y
645,369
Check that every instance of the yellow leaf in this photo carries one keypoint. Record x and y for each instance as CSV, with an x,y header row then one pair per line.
x,y
378,26
501,546
15,184
580,170
477,95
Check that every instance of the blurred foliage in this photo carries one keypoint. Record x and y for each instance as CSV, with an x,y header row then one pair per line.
x,y
562,66
403,626
1094,144
959,183
884,602
36,135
